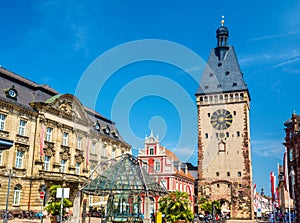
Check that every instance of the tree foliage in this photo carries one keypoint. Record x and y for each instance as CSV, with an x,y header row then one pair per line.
x,y
207,206
176,206
53,204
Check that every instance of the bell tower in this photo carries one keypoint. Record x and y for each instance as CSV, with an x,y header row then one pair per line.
x,y
224,156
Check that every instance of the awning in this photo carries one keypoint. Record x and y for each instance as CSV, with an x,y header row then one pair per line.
x,y
5,144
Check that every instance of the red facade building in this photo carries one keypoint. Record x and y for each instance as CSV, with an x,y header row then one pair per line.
x,y
169,171
292,143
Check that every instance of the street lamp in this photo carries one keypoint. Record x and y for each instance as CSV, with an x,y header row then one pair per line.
x,y
90,212
7,197
5,145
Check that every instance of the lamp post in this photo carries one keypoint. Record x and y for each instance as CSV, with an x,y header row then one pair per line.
x,y
90,212
7,198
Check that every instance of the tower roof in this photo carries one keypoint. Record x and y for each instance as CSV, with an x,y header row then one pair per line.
x,y
222,72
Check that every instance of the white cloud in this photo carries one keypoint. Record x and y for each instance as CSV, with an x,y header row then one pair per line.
x,y
268,148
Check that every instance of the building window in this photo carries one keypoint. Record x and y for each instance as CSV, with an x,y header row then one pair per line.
x,y
157,165
163,183
206,135
145,165
1,155
218,185
151,151
228,174
17,195
234,112
113,153
227,134
93,148
238,133
2,121
65,139
19,159
22,126
49,134
47,163
92,170
239,173
77,169
79,142
208,114
103,151
63,166
217,174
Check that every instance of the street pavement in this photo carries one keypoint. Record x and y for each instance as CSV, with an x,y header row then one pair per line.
x,y
47,220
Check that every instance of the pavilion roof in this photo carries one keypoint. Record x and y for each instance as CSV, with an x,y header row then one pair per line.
x,y
126,175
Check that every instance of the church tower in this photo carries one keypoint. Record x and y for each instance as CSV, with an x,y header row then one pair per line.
x,y
224,155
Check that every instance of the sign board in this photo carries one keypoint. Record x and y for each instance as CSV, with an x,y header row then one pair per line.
x,y
63,192
259,213
42,194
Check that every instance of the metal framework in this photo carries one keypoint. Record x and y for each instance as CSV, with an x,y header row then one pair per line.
x,y
126,182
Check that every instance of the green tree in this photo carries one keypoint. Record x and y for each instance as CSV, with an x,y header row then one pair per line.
x,y
176,206
206,205
53,204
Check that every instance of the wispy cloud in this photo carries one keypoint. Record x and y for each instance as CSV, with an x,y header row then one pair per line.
x,y
274,36
268,148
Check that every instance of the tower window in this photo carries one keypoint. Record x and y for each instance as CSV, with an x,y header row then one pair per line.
x,y
238,133
239,173
228,174
208,114
217,174
234,112
218,185
227,134
206,135
217,134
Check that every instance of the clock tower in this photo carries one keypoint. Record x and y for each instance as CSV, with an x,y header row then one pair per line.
x,y
224,155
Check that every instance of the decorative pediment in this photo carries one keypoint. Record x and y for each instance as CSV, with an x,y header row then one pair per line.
x,y
79,156
21,147
49,151
69,105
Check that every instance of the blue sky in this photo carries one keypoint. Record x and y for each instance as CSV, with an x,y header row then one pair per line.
x,y
60,43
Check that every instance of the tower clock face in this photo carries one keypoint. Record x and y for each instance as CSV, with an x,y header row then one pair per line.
x,y
221,119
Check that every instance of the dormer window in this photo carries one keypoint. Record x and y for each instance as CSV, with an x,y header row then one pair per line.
x,y
206,87
97,126
106,130
11,92
234,84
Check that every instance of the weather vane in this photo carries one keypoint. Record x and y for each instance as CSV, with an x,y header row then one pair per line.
x,y
222,21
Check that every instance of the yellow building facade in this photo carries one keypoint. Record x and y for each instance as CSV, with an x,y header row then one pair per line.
x,y
53,139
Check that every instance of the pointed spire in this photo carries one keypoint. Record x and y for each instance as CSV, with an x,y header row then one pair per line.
x,y
151,134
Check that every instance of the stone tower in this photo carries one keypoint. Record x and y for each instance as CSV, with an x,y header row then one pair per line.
x,y
224,155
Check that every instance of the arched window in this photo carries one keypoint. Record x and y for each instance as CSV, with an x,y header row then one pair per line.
x,y
17,194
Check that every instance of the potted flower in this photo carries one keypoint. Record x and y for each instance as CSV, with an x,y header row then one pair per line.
x,y
53,205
